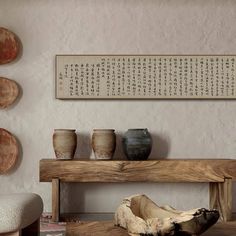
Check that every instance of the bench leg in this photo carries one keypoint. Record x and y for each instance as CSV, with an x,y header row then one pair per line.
x,y
221,198
55,200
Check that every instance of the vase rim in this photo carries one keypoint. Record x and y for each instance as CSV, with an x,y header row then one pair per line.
x,y
69,130
112,130
138,129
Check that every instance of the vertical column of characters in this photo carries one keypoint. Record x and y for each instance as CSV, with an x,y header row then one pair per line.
x,y
92,79
190,75
149,76
72,79
216,76
103,77
164,68
233,77
139,77
205,61
133,85
154,77
222,76
196,76
170,76
177,89
192,78
97,78
184,69
113,76
108,77
87,79
144,81
227,76
82,80
160,76
77,80
128,71
200,65
123,76
66,87
118,77
212,77
181,76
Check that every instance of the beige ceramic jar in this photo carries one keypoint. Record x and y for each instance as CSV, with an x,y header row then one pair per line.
x,y
64,143
103,143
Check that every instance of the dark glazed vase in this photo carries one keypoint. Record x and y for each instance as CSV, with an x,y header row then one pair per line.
x,y
137,144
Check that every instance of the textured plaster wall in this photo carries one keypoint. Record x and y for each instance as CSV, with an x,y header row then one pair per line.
x,y
180,129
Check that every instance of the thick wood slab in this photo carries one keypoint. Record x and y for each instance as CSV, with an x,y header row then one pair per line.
x,y
107,228
137,171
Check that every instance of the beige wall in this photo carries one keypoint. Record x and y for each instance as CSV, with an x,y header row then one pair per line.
x,y
180,129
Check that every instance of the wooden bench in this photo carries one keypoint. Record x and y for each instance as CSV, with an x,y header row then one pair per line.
x,y
218,173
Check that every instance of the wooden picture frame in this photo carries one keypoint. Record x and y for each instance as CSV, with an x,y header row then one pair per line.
x,y
145,76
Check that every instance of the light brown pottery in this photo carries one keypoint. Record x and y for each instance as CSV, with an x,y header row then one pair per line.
x,y
103,143
141,216
8,151
64,143
9,46
9,91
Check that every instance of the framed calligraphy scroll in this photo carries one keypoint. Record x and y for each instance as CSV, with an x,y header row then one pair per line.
x,y
145,77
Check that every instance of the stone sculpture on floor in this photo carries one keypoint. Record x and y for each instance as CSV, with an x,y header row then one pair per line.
x,y
141,216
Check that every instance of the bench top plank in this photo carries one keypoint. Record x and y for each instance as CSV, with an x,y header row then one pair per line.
x,y
172,170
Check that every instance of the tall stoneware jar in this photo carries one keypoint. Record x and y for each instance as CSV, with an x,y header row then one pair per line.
x,y
137,144
64,143
103,143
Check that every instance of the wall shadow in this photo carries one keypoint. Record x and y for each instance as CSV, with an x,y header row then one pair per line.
x,y
119,154
160,147
84,148
72,198
21,49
